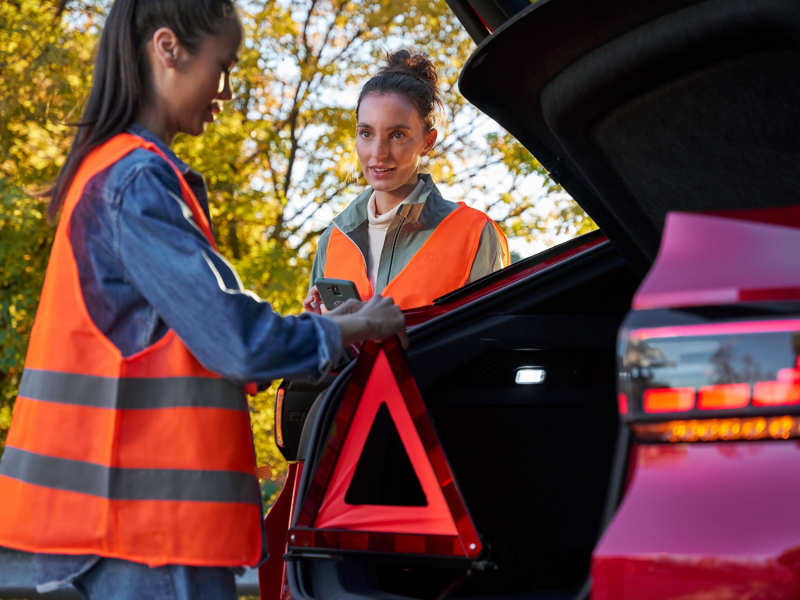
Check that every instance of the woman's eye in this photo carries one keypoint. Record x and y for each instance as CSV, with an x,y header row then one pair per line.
x,y
397,136
365,134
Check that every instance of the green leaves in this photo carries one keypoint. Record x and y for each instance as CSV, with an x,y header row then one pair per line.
x,y
44,77
24,252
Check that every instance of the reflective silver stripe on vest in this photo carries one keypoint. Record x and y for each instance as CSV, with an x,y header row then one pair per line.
x,y
129,484
131,393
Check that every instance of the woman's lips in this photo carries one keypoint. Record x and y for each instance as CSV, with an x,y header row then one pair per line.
x,y
381,172
212,112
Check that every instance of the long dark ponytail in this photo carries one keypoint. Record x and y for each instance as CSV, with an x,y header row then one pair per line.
x,y
120,88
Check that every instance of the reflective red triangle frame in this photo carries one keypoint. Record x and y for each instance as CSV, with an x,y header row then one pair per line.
x,y
466,544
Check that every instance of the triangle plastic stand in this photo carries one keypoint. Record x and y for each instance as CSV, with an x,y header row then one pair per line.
x,y
442,527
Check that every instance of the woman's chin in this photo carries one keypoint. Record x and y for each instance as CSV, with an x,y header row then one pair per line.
x,y
383,185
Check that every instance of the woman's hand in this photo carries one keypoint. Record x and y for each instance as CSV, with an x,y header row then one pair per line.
x,y
375,320
313,303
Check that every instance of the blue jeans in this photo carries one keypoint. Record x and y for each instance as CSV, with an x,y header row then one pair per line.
x,y
114,579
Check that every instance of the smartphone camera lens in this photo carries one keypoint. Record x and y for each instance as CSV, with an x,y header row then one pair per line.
x,y
336,291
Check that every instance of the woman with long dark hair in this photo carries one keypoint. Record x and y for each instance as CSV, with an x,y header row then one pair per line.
x,y
400,238
129,468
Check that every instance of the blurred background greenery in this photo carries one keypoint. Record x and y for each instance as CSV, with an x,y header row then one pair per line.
x,y
279,162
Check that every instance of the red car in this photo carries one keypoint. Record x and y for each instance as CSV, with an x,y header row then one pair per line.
x,y
615,418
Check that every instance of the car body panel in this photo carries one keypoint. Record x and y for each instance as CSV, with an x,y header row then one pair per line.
x,y
705,520
272,574
733,246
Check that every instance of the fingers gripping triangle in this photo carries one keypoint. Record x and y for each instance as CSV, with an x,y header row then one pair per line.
x,y
335,513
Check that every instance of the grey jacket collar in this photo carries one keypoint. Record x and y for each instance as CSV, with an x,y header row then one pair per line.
x,y
356,212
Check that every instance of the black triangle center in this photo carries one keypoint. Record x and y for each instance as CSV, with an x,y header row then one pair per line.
x,y
384,474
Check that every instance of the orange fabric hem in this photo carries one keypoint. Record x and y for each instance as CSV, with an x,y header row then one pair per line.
x,y
73,552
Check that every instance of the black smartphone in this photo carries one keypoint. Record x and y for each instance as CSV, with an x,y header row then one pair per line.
x,y
335,291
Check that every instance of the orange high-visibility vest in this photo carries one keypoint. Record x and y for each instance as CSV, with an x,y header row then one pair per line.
x,y
441,265
147,458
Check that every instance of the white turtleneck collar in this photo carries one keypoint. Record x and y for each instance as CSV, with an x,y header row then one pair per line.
x,y
383,221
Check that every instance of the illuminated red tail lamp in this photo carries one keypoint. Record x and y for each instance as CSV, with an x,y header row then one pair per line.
x,y
279,417
730,395
669,400
783,392
622,400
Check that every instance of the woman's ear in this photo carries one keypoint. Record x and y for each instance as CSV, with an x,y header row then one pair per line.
x,y
166,47
430,140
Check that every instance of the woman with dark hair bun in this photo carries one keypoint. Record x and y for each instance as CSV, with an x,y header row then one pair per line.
x,y
400,238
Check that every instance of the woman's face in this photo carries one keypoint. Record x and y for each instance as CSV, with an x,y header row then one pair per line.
x,y
390,140
200,81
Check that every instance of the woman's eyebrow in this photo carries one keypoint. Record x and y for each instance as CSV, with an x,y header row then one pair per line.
x,y
400,126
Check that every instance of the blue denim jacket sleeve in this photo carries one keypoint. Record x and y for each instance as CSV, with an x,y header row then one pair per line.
x,y
199,294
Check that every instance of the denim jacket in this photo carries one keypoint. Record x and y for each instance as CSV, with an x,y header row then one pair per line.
x,y
145,268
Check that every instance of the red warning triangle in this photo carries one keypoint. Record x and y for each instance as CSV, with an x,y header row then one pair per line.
x,y
441,526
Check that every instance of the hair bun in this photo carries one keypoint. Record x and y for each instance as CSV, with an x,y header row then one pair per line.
x,y
411,74
416,65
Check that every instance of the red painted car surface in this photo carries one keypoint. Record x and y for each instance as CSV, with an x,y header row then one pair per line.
x,y
272,575
705,521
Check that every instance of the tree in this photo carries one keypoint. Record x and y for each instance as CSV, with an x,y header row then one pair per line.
x,y
46,73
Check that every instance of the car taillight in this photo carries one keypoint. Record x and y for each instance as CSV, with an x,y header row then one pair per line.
x,y
708,381
279,416
719,430
669,400
784,391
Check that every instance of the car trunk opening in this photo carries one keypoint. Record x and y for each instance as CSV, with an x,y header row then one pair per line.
x,y
533,462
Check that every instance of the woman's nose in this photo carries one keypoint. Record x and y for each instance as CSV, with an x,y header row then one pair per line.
x,y
225,93
380,149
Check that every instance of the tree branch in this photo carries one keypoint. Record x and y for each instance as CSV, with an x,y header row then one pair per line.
x,y
310,236
319,204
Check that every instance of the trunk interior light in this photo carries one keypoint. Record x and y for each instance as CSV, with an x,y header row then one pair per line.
x,y
717,430
529,375
279,417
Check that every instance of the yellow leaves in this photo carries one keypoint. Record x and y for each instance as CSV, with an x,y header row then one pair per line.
x,y
5,417
51,67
